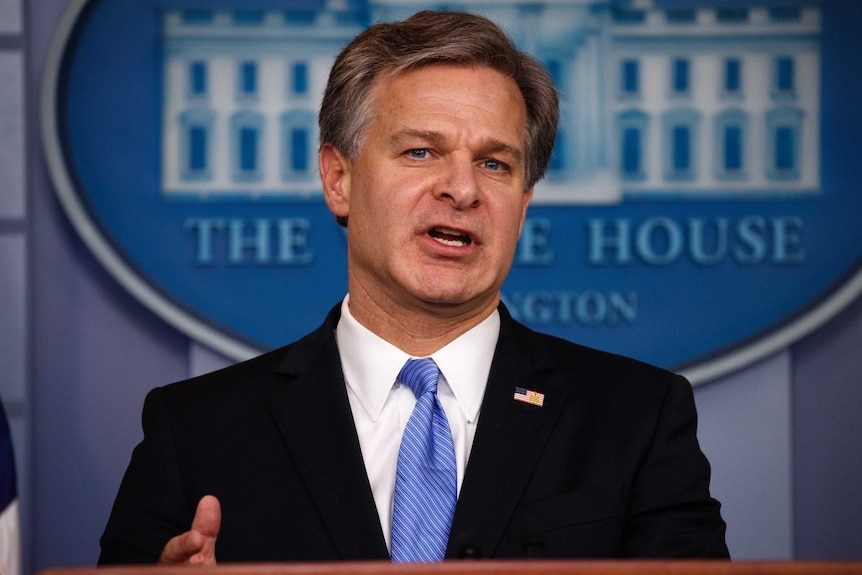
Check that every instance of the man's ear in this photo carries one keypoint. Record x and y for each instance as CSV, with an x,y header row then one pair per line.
x,y
335,176
528,197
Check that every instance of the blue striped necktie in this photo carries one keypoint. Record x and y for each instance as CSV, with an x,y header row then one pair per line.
x,y
426,488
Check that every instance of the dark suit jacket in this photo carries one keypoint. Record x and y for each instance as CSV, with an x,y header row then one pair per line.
x,y
608,467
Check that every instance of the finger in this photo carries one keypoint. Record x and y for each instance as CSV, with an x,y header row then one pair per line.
x,y
207,519
196,546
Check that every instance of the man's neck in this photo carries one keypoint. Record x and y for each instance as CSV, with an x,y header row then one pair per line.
x,y
421,331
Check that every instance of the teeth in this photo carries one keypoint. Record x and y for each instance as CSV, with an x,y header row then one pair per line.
x,y
451,242
450,237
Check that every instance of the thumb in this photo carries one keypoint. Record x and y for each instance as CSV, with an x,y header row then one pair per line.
x,y
207,517
206,525
197,545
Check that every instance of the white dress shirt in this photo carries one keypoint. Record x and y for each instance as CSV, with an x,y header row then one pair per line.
x,y
381,406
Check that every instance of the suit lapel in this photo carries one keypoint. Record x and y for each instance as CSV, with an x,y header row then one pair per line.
x,y
508,442
312,412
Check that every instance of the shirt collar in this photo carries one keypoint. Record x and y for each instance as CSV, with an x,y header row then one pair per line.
x,y
464,362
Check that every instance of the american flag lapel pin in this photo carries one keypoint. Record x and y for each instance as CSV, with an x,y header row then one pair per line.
x,y
529,396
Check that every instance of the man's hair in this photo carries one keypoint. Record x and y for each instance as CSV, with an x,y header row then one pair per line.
x,y
425,39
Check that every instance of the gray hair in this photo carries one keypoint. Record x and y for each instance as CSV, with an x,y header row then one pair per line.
x,y
428,38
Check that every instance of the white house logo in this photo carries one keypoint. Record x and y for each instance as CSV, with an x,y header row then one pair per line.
x,y
701,209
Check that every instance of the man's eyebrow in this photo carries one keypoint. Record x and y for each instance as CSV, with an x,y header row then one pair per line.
x,y
495,146
410,133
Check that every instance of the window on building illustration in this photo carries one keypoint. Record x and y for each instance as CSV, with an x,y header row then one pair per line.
x,y
248,152
300,16
681,15
630,77
197,16
195,145
785,76
785,13
247,146
555,69
784,126
731,128
248,17
351,17
628,16
732,76
558,157
679,147
732,15
297,142
732,149
632,127
197,153
198,79
299,150
680,77
785,157
248,79
299,78
632,152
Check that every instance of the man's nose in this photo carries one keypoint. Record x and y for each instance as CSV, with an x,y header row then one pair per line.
x,y
459,184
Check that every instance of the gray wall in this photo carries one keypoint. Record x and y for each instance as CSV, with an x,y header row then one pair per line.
x,y
78,353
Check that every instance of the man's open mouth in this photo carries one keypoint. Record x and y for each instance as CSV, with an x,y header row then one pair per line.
x,y
450,237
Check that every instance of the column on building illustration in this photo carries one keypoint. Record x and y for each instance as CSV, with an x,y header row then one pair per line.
x,y
591,124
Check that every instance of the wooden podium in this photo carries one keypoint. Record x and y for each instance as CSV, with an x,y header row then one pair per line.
x,y
488,567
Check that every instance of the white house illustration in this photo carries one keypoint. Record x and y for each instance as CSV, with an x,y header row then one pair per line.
x,y
657,102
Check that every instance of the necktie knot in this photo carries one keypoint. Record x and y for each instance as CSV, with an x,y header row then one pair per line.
x,y
420,375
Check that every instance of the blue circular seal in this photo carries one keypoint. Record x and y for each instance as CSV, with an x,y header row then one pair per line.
x,y
701,209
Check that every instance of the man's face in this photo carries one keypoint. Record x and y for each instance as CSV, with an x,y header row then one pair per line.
x,y
436,196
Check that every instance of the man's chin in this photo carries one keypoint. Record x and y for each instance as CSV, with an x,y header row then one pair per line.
x,y
459,302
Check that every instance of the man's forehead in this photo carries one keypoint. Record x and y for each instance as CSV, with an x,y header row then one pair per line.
x,y
387,87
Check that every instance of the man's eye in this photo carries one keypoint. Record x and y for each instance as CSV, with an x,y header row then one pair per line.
x,y
493,165
418,153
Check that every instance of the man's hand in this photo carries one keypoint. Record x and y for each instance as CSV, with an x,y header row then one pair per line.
x,y
196,546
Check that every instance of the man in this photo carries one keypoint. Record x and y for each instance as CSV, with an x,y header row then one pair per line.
x,y
433,133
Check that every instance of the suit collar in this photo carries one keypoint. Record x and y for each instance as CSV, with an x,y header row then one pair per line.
x,y
508,442
311,409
